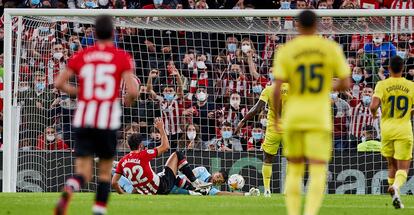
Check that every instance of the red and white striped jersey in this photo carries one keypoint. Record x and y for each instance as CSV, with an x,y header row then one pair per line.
x,y
241,86
136,167
400,23
360,117
99,70
171,115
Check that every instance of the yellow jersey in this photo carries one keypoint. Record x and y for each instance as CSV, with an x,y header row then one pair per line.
x,y
308,64
397,96
267,96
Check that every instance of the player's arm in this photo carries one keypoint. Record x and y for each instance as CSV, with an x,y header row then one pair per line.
x,y
165,144
256,109
376,101
278,101
62,82
115,184
131,87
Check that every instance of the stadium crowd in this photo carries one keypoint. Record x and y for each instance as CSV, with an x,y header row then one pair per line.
x,y
201,84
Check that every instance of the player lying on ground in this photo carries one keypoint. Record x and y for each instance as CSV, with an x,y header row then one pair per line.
x,y
136,167
273,138
99,70
202,174
396,96
309,63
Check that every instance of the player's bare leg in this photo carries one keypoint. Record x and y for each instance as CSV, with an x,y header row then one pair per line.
x,y
103,188
316,186
400,179
293,186
392,169
83,174
177,162
267,173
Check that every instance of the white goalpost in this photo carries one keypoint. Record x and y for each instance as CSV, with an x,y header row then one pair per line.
x,y
195,42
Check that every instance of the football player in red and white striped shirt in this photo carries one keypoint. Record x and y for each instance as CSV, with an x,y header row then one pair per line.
x,y
136,167
99,69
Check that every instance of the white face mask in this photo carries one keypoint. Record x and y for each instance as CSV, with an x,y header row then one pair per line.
x,y
58,55
190,65
191,135
50,137
201,65
263,122
246,48
235,103
23,89
377,40
201,96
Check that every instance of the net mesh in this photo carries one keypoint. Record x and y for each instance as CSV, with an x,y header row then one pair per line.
x,y
217,68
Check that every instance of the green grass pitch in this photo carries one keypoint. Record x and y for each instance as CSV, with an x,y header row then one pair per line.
x,y
42,203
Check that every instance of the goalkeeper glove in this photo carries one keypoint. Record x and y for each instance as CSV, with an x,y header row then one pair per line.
x,y
253,192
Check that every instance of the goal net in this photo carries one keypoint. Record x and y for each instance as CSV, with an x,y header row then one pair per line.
x,y
202,72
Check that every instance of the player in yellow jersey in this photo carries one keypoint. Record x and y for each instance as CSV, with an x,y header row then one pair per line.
x,y
273,138
309,63
396,97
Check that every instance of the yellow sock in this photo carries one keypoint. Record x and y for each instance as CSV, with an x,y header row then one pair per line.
x,y
293,188
400,178
267,174
316,188
391,181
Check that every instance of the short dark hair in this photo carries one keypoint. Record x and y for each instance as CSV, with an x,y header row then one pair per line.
x,y
307,19
226,124
104,27
225,175
134,141
154,130
396,64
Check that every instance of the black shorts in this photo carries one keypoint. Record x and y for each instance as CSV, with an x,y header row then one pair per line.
x,y
167,181
95,142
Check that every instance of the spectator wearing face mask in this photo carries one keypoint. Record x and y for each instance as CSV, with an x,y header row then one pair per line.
x,y
89,4
191,138
154,139
226,141
88,38
361,116
41,43
379,49
31,4
172,110
341,120
257,137
37,103
50,141
229,53
358,84
235,81
56,63
322,4
157,4
402,42
204,106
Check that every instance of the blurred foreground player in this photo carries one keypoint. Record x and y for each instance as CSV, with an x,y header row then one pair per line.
x,y
308,63
136,167
99,70
396,97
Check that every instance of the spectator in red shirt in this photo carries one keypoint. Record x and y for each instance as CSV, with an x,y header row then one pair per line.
x,y
50,140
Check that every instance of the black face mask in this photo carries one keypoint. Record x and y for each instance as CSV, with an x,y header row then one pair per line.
x,y
143,96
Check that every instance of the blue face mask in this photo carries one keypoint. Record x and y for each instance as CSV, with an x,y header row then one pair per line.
x,y
366,100
158,2
231,47
73,46
90,4
226,134
35,2
284,5
357,77
334,96
169,96
271,77
257,135
257,89
40,86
